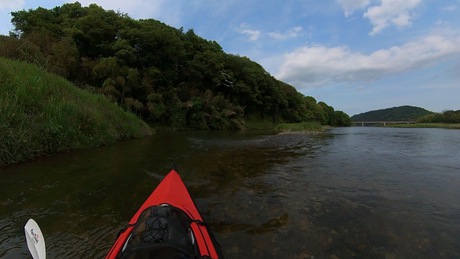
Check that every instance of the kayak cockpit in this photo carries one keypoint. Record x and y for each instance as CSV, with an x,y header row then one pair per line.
x,y
162,231
167,225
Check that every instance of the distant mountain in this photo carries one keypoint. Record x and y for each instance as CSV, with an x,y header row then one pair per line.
x,y
401,113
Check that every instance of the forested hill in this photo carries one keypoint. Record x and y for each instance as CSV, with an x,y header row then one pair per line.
x,y
164,75
402,113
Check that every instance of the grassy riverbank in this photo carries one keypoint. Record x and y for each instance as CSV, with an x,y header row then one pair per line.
x,y
427,125
43,114
258,123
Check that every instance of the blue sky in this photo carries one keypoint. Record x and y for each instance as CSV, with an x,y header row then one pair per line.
x,y
355,55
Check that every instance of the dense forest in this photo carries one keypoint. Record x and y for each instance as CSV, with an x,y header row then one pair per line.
x,y
401,113
164,75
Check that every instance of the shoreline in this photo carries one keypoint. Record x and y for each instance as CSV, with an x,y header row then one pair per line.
x,y
425,125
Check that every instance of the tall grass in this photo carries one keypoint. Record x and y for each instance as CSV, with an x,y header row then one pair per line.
x,y
256,123
41,114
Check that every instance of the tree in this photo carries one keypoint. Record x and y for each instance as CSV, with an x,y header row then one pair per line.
x,y
156,71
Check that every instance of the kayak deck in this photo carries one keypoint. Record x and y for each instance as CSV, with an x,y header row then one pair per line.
x,y
172,192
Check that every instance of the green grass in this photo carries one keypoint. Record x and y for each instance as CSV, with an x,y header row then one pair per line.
x,y
299,127
255,123
42,114
427,125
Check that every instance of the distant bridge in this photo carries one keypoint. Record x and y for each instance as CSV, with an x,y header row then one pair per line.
x,y
384,123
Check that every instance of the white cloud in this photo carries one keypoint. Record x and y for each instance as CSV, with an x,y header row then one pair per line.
x,y
391,12
11,4
168,12
253,34
292,33
349,6
314,66
450,8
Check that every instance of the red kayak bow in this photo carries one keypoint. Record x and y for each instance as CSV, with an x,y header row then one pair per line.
x,y
170,193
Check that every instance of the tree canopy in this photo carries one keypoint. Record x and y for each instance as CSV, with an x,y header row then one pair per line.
x,y
165,75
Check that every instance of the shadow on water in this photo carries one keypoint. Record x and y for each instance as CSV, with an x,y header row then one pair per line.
x,y
363,193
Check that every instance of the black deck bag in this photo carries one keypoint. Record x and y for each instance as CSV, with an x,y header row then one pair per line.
x,y
161,232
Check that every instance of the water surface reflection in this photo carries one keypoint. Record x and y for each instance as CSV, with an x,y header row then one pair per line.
x,y
354,192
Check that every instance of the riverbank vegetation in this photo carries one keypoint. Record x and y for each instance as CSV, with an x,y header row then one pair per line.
x,y
41,113
167,76
428,125
446,117
109,70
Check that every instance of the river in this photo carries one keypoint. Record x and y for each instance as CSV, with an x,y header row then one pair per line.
x,y
363,192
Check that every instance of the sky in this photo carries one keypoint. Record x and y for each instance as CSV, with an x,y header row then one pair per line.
x,y
354,55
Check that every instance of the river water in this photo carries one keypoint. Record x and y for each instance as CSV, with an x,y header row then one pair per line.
x,y
362,192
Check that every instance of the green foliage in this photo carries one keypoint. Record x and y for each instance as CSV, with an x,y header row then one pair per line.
x,y
445,117
402,113
257,122
165,75
341,119
428,125
43,114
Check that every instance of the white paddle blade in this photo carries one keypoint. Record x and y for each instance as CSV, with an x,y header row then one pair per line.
x,y
35,240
